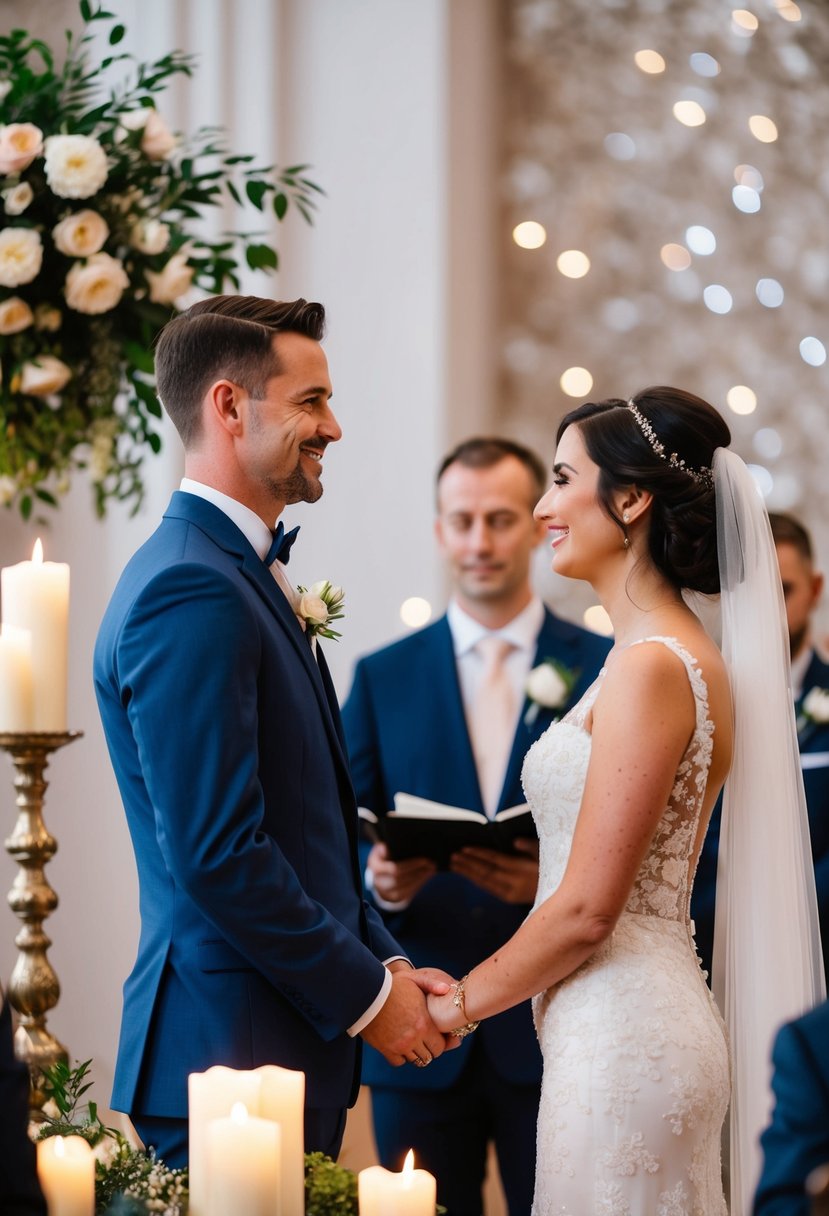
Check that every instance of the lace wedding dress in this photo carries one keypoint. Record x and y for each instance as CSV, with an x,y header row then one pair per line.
x,y
636,1073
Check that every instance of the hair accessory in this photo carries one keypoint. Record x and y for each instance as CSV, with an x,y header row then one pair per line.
x,y
703,475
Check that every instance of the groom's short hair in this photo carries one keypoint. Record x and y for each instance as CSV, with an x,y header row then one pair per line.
x,y
224,337
786,530
484,451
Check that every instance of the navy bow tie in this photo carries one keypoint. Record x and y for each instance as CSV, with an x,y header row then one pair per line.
x,y
280,545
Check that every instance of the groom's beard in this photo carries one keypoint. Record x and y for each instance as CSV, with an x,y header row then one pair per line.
x,y
298,486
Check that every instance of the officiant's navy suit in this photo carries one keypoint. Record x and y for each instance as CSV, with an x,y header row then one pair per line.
x,y
813,741
406,731
225,737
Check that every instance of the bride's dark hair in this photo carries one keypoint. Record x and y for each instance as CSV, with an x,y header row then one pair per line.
x,y
683,529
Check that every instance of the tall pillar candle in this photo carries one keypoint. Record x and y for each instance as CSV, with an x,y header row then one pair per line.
x,y
242,1165
34,595
66,1172
15,679
268,1092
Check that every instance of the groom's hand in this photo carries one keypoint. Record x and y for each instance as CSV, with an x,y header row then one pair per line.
x,y
403,1030
513,879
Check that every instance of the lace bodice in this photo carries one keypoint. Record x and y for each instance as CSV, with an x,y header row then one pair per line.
x,y
553,778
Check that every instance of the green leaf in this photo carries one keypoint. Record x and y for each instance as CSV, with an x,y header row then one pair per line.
x,y
116,34
261,257
280,205
255,191
139,357
86,10
154,441
26,506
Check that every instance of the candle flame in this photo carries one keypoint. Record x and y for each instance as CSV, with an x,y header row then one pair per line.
x,y
37,552
408,1168
239,1113
60,1147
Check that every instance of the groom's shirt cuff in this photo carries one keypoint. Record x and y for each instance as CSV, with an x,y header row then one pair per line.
x,y
380,1000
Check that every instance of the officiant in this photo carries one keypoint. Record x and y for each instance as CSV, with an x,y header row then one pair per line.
x,y
443,715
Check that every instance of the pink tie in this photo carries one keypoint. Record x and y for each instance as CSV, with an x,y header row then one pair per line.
x,y
493,720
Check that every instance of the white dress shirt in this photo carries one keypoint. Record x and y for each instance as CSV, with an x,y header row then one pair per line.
x,y
260,535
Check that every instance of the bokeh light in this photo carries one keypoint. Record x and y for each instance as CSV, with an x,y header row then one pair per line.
x,y
573,264
769,292
813,352
576,382
650,62
415,611
689,113
529,234
741,399
762,128
675,257
717,298
700,240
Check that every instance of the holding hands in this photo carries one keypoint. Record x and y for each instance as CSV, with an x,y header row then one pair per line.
x,y
404,1030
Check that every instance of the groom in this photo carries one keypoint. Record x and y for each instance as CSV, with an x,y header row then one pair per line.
x,y
224,733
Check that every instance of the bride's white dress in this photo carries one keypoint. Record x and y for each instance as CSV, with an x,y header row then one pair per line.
x,y
636,1074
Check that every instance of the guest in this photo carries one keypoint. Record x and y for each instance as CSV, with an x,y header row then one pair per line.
x,y
797,1138
20,1193
256,944
802,589
412,725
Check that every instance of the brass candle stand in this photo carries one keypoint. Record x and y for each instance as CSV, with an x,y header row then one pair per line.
x,y
33,985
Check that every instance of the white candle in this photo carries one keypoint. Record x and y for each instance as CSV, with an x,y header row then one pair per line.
x,y
242,1165
35,596
269,1092
15,679
384,1193
66,1171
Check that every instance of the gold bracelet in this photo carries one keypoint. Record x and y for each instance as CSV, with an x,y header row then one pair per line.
x,y
459,1003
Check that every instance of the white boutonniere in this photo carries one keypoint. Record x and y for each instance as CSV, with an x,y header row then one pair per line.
x,y
815,707
318,605
548,686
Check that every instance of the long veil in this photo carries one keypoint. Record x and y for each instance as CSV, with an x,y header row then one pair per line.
x,y
767,960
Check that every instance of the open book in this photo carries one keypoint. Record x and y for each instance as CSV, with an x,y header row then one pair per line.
x,y
420,828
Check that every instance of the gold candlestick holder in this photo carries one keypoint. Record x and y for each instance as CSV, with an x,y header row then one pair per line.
x,y
33,985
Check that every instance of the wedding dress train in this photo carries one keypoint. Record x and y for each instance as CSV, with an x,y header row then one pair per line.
x,y
636,1072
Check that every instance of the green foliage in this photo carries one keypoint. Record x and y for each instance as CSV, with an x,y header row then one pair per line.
x,y
330,1190
77,377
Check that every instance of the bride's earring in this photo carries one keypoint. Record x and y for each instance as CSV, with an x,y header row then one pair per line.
x,y
626,520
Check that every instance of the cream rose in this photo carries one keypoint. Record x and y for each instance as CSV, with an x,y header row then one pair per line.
x,y
15,315
150,236
546,687
168,284
96,285
81,234
816,705
76,165
312,608
45,375
20,143
17,198
48,318
157,141
21,255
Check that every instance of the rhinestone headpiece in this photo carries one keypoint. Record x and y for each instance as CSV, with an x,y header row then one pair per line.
x,y
703,475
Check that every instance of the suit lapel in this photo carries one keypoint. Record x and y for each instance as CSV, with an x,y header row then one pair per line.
x,y
817,676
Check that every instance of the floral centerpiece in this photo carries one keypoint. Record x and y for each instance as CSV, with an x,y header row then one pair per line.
x,y
99,203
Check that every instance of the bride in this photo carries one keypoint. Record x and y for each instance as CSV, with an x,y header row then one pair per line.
x,y
637,1073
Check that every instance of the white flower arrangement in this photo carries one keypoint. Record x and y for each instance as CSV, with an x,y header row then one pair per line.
x,y
549,686
318,605
97,202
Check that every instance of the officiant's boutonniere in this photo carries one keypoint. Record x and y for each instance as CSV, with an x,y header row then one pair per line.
x,y
548,686
318,605
814,708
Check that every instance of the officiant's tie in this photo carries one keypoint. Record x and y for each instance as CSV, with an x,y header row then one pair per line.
x,y
493,719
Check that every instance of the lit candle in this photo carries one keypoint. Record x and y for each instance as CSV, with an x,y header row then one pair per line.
x,y
66,1171
242,1165
269,1092
15,679
35,596
384,1193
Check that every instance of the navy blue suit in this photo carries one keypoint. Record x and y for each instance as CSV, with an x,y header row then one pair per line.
x,y
406,731
813,741
225,737
20,1194
797,1138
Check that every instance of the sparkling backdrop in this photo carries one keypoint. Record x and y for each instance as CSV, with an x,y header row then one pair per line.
x,y
676,152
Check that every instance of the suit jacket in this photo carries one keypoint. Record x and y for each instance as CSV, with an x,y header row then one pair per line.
x,y
797,1138
225,737
406,731
813,741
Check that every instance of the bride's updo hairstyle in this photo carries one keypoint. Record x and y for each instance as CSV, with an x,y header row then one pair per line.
x,y
662,440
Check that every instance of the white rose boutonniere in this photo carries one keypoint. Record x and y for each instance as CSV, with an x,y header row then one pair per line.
x,y
318,605
549,686
815,707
